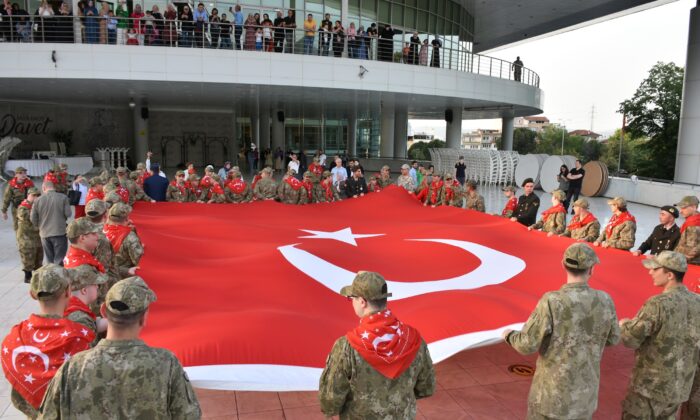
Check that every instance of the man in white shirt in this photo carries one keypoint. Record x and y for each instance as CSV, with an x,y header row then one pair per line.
x,y
322,158
148,165
294,164
339,174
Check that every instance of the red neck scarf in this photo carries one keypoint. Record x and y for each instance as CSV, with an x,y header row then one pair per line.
x,y
435,190
26,204
77,305
693,220
215,188
577,223
559,208
616,220
256,178
328,188
316,169
35,349
309,189
294,183
511,205
181,187
123,193
197,191
77,257
374,188
116,234
142,178
387,344
22,186
236,186
93,194
191,171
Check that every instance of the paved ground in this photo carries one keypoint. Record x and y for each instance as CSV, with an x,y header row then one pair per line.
x,y
474,384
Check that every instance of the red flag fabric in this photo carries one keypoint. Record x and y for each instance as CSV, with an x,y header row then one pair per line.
x,y
248,295
76,257
34,350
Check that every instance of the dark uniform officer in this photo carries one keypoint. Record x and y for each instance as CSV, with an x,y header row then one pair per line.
x,y
665,236
528,204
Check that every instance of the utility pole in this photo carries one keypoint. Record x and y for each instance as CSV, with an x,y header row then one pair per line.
x,y
622,139
592,116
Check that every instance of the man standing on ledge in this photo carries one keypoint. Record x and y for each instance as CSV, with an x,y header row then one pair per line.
x,y
569,327
528,204
380,368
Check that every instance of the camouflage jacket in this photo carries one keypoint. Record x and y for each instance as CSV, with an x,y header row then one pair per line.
x,y
351,388
622,236
85,320
289,195
689,244
122,379
13,196
243,197
588,233
318,193
383,183
475,202
556,223
666,336
27,233
173,193
128,255
139,193
130,186
406,182
569,327
265,189
105,255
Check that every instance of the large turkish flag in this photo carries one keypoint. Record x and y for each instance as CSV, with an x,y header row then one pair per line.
x,y
248,294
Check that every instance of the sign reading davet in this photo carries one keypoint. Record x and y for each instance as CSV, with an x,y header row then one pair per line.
x,y
17,125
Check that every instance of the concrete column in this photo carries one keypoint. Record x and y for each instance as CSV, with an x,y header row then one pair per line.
x,y
233,144
352,133
386,145
453,130
77,31
264,129
344,19
688,151
507,133
140,133
277,130
255,131
400,132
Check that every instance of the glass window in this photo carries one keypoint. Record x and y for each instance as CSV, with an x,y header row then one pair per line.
x,y
431,23
423,5
384,11
354,7
410,18
422,21
397,15
441,8
456,12
314,8
332,7
440,27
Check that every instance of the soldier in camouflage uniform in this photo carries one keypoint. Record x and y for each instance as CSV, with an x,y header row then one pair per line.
x,y
665,335
97,213
569,327
212,190
583,226
177,189
15,193
512,203
139,194
405,180
453,194
689,243
380,368
126,244
620,230
28,240
553,219
330,192
384,178
112,198
236,189
85,283
291,190
122,377
195,194
266,187
474,200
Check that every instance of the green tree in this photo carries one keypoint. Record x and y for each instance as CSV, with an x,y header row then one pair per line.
x,y
591,150
633,153
654,113
419,150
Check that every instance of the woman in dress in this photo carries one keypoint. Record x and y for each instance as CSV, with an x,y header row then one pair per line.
x,y
104,19
423,54
169,34
250,27
338,39
187,21
352,40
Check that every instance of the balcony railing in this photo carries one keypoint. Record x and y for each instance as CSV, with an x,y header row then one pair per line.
x,y
440,52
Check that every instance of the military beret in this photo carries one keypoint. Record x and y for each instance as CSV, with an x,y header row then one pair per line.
x,y
527,181
48,281
129,296
672,210
81,226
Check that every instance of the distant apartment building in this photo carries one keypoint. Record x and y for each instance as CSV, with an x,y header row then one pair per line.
x,y
420,138
586,134
480,139
536,124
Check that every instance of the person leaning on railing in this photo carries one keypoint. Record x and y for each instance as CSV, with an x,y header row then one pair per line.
x,y
136,17
187,22
338,39
169,33
225,34
122,14
64,24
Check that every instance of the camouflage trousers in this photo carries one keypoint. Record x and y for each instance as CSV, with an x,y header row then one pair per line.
x,y
534,415
31,254
15,222
639,407
690,410
22,405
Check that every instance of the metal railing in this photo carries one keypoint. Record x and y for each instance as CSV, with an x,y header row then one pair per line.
x,y
440,52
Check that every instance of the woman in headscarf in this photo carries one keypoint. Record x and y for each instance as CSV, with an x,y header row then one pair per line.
x,y
423,54
92,23
338,39
136,17
250,26
187,20
169,34
104,19
413,51
45,22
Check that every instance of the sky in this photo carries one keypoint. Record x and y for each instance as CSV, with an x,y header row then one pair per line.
x,y
597,66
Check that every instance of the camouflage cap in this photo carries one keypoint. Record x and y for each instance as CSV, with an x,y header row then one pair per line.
x,y
63,166
619,202
33,191
559,195
96,181
447,176
291,172
405,166
119,211
95,208
141,166
267,170
580,256
48,281
668,259
134,175
120,170
510,188
111,198
367,284
308,174
193,177
470,183
180,173
129,296
20,170
326,174
582,203
216,178
235,173
688,200
81,226
85,275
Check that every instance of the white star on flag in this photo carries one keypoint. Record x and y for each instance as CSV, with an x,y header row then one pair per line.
x,y
64,334
29,378
66,357
390,353
5,350
32,358
30,326
84,331
342,235
365,335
